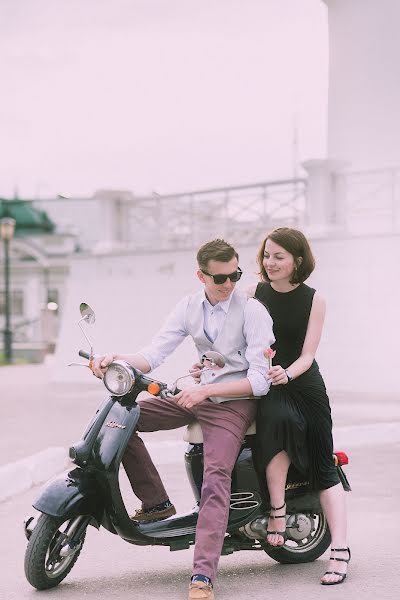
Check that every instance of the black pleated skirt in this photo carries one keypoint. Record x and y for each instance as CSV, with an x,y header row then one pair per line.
x,y
297,418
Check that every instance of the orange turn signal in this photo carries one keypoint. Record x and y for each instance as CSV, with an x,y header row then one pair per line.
x,y
153,388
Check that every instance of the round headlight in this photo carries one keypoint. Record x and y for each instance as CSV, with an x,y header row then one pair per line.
x,y
118,379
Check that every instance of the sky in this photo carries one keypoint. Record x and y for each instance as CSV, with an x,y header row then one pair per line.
x,y
158,95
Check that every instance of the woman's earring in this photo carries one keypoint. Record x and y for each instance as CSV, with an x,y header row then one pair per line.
x,y
295,273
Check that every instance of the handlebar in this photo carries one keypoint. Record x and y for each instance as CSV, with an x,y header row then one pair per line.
x,y
144,380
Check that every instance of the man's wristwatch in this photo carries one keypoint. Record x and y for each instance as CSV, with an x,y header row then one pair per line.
x,y
288,375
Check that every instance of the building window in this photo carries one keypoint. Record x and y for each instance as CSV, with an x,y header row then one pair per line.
x,y
16,301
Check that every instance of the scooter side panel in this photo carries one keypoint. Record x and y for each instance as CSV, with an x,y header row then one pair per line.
x,y
194,465
72,493
244,476
113,437
106,458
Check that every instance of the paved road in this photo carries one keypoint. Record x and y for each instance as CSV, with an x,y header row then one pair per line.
x,y
110,568
39,413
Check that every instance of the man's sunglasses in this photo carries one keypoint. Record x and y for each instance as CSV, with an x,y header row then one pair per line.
x,y
219,279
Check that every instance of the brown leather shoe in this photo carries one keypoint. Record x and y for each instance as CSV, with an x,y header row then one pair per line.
x,y
147,516
199,590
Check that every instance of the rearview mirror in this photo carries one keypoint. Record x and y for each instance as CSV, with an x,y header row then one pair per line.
x,y
87,313
213,360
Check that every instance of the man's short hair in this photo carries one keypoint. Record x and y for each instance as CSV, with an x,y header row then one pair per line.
x,y
215,250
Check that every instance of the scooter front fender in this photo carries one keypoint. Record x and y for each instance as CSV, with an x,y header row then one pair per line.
x,y
75,492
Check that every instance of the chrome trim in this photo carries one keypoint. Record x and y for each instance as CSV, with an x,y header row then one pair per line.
x,y
170,533
243,501
128,370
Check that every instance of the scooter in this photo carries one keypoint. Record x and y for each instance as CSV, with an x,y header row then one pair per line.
x,y
89,493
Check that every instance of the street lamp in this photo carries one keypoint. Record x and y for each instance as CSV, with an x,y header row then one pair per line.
x,y
7,227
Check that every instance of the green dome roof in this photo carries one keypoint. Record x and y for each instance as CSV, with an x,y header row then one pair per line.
x,y
29,220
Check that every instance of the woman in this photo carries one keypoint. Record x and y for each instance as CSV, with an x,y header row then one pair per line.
x,y
294,420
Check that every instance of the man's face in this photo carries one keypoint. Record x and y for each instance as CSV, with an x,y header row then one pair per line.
x,y
218,292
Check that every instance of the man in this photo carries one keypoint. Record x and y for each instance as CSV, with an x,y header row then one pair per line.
x,y
218,318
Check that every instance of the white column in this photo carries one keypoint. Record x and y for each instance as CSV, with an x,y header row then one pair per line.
x,y
112,213
364,82
325,198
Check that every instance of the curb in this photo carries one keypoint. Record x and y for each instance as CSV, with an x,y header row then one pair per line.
x,y
23,474
20,476
352,436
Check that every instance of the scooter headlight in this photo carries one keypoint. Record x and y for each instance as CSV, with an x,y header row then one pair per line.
x,y
119,378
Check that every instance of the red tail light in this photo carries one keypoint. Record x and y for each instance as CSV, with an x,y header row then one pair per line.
x,y
342,458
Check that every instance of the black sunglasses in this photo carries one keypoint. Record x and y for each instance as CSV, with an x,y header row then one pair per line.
x,y
219,279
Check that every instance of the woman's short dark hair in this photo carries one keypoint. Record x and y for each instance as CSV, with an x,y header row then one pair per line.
x,y
294,242
215,250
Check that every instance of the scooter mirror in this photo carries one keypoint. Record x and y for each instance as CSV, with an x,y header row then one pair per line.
x,y
87,313
210,361
213,360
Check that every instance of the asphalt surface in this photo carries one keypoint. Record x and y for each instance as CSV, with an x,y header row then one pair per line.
x,y
111,568
36,413
367,428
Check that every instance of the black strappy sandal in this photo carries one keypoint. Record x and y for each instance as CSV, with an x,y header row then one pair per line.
x,y
342,575
281,533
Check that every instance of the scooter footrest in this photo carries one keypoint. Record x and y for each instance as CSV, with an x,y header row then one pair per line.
x,y
179,545
227,549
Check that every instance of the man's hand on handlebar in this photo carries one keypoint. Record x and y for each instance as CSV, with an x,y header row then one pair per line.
x,y
195,371
192,396
100,364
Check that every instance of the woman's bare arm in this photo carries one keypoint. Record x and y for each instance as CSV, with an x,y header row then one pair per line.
x,y
312,339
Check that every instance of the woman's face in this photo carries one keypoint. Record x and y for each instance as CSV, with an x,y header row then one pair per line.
x,y
278,262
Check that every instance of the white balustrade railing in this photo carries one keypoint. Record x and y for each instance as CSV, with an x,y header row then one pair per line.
x,y
329,201
239,214
371,200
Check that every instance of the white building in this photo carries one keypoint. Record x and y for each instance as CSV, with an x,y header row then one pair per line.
x,y
39,267
137,254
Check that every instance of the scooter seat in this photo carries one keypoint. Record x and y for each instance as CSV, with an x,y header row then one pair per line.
x,y
194,435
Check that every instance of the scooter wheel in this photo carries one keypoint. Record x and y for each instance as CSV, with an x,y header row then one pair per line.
x,y
47,559
301,550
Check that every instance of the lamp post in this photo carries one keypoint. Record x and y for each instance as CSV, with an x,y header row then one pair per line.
x,y
7,227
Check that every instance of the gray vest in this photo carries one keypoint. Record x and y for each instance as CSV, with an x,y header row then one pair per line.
x,y
230,341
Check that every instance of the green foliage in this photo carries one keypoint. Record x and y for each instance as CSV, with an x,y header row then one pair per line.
x,y
16,361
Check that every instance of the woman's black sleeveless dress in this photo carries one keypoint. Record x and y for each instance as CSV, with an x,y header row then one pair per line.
x,y
295,417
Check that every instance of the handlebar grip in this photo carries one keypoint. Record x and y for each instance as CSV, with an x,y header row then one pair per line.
x,y
175,392
169,394
84,354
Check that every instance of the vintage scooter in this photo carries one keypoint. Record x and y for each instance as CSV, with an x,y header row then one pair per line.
x,y
89,493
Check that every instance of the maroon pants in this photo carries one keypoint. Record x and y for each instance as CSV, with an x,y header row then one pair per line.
x,y
223,426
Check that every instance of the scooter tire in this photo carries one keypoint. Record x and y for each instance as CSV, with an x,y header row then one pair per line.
x,y
290,555
37,570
